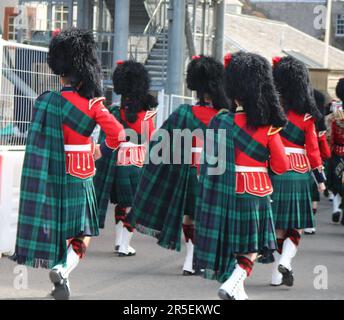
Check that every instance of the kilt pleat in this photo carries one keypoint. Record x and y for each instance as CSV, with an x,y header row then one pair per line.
x,y
315,192
253,225
126,180
292,202
81,208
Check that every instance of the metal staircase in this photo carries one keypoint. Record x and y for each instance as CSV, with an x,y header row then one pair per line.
x,y
157,57
156,62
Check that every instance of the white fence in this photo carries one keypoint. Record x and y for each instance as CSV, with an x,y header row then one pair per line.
x,y
24,74
169,103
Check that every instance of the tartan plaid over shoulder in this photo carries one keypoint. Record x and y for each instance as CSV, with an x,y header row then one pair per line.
x,y
160,200
41,235
293,133
216,205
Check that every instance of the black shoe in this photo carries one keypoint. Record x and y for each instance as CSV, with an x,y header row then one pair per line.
x,y
224,295
122,255
61,291
336,217
288,277
55,277
188,273
266,258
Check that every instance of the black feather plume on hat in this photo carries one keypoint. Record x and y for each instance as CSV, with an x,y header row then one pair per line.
x,y
249,80
72,54
293,83
205,75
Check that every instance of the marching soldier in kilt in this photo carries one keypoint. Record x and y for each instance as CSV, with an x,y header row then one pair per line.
x,y
292,202
336,178
257,121
117,177
58,208
167,191
324,148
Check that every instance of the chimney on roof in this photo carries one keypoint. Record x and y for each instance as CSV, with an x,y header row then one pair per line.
x,y
233,6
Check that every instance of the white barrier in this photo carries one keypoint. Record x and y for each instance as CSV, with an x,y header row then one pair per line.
x,y
10,172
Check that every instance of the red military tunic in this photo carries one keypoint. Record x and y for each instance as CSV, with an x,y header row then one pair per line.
x,y
134,154
337,134
251,175
303,158
79,149
324,148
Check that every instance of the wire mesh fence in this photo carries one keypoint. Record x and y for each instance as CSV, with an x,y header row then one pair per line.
x,y
24,74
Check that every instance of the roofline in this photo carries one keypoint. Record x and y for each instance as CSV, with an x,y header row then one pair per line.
x,y
284,24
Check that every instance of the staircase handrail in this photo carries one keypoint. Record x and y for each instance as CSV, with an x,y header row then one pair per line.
x,y
153,17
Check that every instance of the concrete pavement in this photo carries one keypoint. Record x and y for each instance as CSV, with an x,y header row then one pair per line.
x,y
155,273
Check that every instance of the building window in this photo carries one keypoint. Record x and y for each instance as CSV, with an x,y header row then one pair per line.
x,y
340,25
60,17
12,34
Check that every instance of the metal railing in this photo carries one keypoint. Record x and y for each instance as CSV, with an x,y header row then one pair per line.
x,y
156,27
24,74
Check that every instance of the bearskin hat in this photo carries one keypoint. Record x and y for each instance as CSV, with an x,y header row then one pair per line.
x,y
320,101
205,75
249,80
340,89
131,80
292,81
72,54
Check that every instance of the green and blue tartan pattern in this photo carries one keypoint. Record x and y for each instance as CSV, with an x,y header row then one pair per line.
x,y
160,201
244,142
82,211
253,225
293,134
124,185
111,182
42,224
291,200
216,207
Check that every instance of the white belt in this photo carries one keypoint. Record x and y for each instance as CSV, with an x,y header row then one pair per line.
x,y
196,150
250,169
78,147
295,150
130,145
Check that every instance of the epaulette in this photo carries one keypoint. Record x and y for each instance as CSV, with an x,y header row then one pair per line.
x,y
273,131
307,117
92,102
150,114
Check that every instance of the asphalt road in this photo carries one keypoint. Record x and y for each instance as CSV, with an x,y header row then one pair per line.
x,y
155,273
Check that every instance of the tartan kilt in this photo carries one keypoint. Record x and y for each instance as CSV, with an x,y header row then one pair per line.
x,y
335,175
315,195
292,201
253,225
124,185
192,193
81,208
